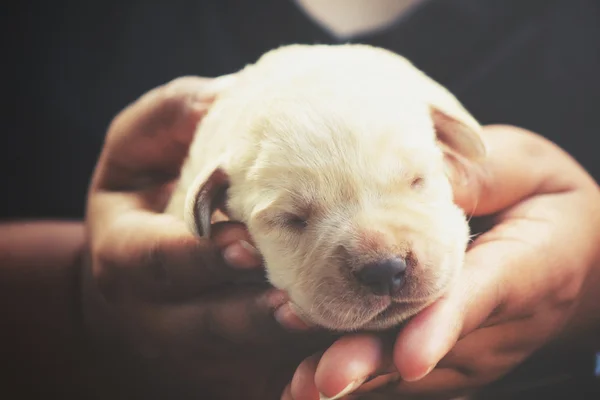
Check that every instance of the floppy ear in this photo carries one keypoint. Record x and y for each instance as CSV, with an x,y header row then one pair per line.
x,y
456,129
459,137
457,132
207,194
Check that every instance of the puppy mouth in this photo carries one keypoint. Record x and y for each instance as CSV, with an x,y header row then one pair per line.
x,y
406,308
364,311
395,309
387,312
392,309
334,321
378,313
382,315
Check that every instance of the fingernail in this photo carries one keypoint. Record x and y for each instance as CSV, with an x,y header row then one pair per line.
x,y
347,390
236,254
418,378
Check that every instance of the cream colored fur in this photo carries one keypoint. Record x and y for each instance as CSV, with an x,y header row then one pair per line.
x,y
350,138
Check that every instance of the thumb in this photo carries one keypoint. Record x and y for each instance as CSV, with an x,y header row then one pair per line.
x,y
511,172
432,333
149,140
471,192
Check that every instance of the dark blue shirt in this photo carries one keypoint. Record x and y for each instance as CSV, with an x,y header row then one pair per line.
x,y
71,66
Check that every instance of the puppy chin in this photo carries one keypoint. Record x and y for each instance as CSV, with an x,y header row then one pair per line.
x,y
345,317
389,317
361,312
395,315
399,312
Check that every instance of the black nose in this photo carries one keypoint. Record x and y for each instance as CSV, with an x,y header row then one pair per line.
x,y
383,277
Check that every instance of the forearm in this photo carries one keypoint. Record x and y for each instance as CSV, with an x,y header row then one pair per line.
x,y
39,272
43,337
41,331
35,243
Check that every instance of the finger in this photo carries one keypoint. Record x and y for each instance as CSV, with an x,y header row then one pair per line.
x,y
242,254
499,182
303,385
231,322
431,334
448,382
488,292
157,257
148,141
481,357
289,319
287,393
427,337
236,244
501,346
349,362
486,353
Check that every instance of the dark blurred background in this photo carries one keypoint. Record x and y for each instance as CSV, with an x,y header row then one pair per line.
x,y
70,66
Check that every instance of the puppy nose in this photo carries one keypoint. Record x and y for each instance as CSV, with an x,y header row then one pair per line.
x,y
385,277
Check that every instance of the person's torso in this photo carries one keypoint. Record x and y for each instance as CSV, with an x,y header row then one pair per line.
x,y
530,63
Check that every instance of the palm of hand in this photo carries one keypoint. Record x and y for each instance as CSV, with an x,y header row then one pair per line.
x,y
523,280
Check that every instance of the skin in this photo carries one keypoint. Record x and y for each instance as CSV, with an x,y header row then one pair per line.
x,y
529,281
157,324
129,304
162,293
40,339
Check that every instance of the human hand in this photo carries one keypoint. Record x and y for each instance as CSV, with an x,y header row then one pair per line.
x,y
534,269
194,311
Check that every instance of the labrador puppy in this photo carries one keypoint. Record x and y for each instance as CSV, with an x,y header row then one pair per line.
x,y
339,160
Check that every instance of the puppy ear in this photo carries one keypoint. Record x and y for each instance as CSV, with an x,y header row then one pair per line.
x,y
459,134
460,139
207,194
456,129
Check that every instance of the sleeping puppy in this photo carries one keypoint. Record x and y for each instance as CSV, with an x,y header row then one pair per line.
x,y
338,159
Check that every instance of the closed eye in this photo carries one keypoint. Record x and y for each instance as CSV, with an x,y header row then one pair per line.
x,y
294,221
417,182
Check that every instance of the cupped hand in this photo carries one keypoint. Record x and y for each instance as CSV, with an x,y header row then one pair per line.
x,y
194,310
530,274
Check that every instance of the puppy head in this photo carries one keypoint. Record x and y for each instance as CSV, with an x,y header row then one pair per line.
x,y
361,235
350,203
